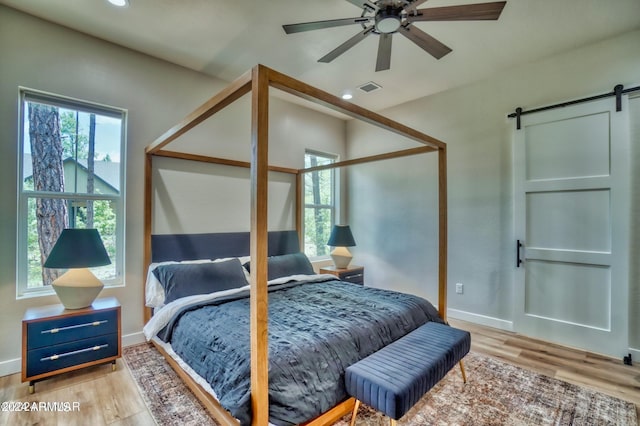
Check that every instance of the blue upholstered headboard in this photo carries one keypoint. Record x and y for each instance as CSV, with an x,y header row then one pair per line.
x,y
178,247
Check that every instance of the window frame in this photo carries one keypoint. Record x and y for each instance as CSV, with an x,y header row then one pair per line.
x,y
335,197
23,196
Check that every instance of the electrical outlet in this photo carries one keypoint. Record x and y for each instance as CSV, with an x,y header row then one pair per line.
x,y
459,288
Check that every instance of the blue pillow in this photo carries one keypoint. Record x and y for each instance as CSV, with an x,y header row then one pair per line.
x,y
182,280
285,265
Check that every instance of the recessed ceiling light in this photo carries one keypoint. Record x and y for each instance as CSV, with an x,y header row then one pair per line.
x,y
119,3
347,96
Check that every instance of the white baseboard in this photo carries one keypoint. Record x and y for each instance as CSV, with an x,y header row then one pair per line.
x,y
508,326
133,339
13,366
481,319
10,366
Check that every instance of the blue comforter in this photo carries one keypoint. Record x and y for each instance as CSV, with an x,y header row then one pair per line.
x,y
316,330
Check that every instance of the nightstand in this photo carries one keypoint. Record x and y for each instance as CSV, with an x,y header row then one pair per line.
x,y
56,340
353,274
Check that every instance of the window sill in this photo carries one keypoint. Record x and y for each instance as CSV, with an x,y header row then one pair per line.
x,y
51,292
321,262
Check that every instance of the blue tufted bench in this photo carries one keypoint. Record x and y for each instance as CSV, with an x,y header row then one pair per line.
x,y
393,379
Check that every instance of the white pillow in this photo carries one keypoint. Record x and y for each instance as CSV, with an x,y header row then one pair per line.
x,y
154,293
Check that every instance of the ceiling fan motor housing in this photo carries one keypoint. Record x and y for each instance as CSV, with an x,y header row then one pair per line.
x,y
388,20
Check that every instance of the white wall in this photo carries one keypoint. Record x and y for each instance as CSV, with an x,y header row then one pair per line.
x,y
47,57
472,121
219,201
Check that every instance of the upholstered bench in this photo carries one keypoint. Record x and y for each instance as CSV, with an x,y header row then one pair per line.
x,y
393,379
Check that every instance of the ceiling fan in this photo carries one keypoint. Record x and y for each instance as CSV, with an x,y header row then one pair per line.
x,y
387,17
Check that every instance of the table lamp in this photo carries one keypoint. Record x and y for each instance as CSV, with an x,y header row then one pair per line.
x,y
340,239
77,250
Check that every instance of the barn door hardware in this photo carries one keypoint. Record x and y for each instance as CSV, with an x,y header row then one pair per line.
x,y
617,91
518,259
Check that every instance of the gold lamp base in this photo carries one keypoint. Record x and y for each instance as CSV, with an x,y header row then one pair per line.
x,y
77,288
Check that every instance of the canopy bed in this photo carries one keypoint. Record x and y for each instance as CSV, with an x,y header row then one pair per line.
x,y
258,243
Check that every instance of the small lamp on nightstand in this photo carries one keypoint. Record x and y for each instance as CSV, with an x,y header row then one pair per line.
x,y
77,250
340,239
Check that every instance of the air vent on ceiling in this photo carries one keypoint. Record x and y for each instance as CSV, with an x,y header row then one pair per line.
x,y
369,87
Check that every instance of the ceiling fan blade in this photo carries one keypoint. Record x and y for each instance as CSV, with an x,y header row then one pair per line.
x,y
468,12
424,41
384,53
363,4
346,45
411,6
318,25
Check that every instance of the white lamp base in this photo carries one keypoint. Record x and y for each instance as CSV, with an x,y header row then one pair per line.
x,y
77,288
341,257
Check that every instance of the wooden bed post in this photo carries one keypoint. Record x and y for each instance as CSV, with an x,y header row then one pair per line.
x,y
257,81
442,232
147,206
299,207
258,300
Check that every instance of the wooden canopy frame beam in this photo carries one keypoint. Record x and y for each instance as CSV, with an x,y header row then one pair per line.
x,y
257,82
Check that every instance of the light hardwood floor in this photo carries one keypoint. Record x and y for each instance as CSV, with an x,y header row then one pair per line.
x,y
104,397
112,398
594,371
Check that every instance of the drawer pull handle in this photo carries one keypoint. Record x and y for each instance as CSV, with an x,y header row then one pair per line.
x,y
79,351
73,327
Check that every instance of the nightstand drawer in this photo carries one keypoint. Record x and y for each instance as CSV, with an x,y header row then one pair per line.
x,y
71,328
353,274
355,278
45,360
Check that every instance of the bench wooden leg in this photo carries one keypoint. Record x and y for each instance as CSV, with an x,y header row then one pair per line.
x,y
355,412
392,422
464,375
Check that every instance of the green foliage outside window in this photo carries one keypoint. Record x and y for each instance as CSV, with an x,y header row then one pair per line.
x,y
319,198
79,144
104,222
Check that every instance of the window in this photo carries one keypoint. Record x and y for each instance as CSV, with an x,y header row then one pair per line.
x,y
319,203
71,176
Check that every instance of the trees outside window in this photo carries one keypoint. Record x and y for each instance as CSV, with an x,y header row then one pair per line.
x,y
72,176
319,199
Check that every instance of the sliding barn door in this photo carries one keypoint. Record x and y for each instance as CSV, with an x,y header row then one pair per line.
x,y
572,214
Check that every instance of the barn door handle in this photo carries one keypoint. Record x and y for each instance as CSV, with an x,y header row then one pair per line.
x,y
518,260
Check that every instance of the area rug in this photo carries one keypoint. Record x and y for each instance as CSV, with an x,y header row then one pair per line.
x,y
496,393
169,400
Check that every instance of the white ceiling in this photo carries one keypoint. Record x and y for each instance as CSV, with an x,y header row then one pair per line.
x,y
225,38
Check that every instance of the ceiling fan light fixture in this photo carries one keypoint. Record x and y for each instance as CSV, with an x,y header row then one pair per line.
x,y
388,21
119,3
